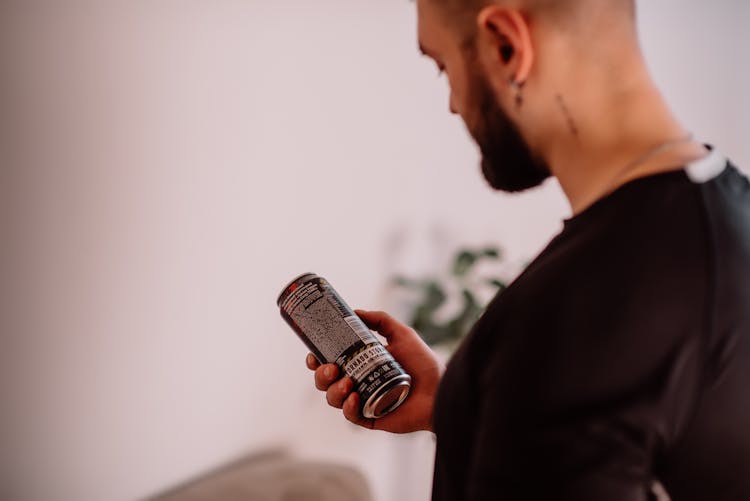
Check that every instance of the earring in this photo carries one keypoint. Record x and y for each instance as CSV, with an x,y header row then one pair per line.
x,y
517,87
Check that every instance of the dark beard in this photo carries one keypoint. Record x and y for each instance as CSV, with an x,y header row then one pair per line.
x,y
508,164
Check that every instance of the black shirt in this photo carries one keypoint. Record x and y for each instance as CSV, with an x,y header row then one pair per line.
x,y
618,358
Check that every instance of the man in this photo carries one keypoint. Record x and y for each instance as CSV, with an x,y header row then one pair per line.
x,y
619,358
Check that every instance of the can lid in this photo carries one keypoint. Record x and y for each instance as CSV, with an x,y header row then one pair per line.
x,y
389,400
285,290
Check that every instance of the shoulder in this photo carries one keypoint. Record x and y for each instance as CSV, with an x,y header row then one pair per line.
x,y
609,304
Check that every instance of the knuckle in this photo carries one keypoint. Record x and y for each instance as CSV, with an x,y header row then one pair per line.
x,y
320,382
350,409
353,418
343,386
311,362
332,399
329,373
335,391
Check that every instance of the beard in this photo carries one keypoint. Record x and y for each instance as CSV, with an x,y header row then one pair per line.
x,y
508,164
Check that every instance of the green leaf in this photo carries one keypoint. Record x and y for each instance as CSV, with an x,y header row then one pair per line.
x,y
470,304
464,261
408,283
491,252
497,283
434,295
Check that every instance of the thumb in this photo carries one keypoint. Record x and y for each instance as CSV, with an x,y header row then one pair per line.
x,y
382,323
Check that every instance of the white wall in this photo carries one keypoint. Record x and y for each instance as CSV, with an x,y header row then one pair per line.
x,y
169,166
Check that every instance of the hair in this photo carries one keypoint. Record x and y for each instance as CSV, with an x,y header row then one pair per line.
x,y
562,13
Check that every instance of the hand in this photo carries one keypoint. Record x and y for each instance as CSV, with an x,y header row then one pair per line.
x,y
417,359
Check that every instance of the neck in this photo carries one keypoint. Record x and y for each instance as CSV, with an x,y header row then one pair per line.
x,y
609,137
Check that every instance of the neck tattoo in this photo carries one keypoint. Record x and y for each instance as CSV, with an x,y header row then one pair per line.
x,y
566,113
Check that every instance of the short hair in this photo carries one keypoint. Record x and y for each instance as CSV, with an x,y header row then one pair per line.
x,y
462,13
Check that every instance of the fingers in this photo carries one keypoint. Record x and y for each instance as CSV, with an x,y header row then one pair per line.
x,y
382,322
327,380
351,412
325,376
337,392
312,362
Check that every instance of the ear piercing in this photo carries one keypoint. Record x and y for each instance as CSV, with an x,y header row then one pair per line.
x,y
517,88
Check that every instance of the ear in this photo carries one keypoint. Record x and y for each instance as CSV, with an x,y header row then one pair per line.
x,y
504,34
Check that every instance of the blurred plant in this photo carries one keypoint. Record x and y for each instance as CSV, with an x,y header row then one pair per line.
x,y
433,295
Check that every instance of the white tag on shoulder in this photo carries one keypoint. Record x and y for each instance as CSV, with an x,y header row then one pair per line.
x,y
707,168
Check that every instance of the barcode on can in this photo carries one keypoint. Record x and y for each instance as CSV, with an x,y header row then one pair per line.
x,y
360,329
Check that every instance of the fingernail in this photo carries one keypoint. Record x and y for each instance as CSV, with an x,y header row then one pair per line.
x,y
328,371
344,387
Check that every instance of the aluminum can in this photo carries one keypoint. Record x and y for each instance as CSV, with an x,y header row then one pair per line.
x,y
335,334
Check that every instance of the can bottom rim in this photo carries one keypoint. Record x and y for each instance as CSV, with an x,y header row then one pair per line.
x,y
388,398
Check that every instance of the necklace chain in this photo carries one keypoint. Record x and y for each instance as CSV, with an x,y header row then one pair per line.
x,y
651,153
